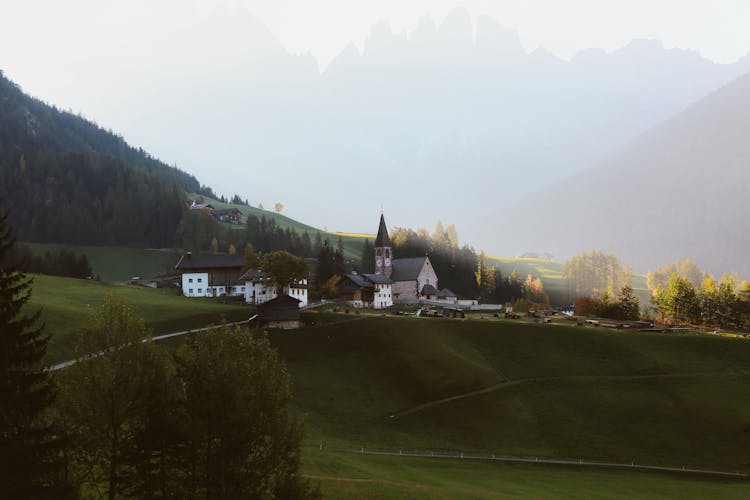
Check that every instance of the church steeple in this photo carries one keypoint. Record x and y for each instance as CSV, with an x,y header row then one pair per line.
x,y
383,250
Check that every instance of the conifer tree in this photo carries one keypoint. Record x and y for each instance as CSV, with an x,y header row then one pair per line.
x,y
29,449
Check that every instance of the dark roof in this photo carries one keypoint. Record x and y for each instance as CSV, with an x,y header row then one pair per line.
x,y
378,279
253,274
358,280
429,290
200,206
282,308
382,240
407,269
208,261
445,292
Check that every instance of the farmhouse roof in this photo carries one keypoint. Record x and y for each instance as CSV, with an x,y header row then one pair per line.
x,y
382,239
407,269
208,261
200,206
358,280
378,279
253,274
282,308
429,290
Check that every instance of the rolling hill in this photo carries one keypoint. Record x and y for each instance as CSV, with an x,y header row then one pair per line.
x,y
678,191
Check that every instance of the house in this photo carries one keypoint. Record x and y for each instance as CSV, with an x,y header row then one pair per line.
x,y
366,290
281,312
414,278
210,275
201,206
258,288
232,215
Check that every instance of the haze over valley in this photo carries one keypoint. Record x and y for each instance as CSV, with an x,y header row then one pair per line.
x,y
453,114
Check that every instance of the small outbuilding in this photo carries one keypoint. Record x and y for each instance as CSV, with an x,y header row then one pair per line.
x,y
281,313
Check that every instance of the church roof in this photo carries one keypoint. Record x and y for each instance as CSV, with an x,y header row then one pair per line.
x,y
382,240
429,290
407,269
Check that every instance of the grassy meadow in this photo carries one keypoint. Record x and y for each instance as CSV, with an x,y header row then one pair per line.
x,y
351,475
495,386
64,302
518,389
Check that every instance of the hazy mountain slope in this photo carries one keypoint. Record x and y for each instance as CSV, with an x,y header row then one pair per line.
x,y
680,190
65,179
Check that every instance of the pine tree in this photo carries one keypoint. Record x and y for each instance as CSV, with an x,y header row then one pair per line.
x,y
29,450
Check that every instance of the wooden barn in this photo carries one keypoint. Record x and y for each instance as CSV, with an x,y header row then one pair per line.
x,y
281,313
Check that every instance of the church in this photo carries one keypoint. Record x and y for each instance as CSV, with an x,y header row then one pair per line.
x,y
413,279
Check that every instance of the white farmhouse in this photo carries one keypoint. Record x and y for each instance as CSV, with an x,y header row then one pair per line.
x,y
259,289
211,275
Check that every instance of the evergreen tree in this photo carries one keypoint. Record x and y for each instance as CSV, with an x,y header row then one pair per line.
x,y
30,462
367,259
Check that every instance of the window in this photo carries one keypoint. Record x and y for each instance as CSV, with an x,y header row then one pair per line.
x,y
190,292
200,290
190,280
379,252
388,253
200,280
242,288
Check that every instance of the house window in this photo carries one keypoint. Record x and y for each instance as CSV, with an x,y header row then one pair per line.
x,y
200,290
190,292
200,280
242,289
190,280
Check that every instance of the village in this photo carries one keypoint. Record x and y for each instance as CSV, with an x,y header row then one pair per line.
x,y
395,281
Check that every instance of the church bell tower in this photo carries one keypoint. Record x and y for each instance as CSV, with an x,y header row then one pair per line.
x,y
383,251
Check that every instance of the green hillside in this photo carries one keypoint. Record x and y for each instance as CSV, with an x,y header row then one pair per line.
x,y
64,302
352,241
552,390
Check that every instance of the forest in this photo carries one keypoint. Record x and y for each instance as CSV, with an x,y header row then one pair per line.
x,y
64,179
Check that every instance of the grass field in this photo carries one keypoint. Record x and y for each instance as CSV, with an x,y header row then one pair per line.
x,y
64,302
502,387
118,264
552,391
349,475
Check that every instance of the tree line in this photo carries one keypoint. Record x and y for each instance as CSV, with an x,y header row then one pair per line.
x,y
61,263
